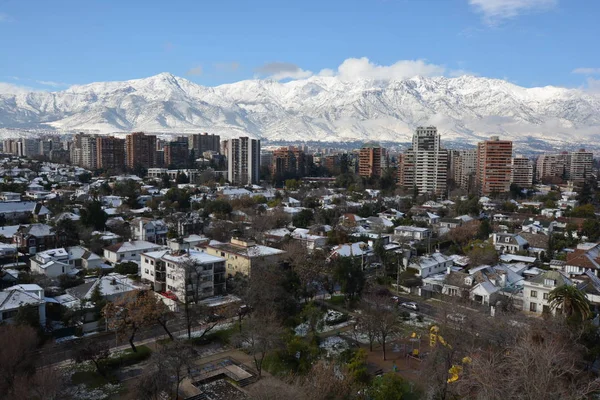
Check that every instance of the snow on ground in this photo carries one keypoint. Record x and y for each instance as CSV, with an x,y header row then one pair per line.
x,y
82,392
199,333
325,325
73,337
334,345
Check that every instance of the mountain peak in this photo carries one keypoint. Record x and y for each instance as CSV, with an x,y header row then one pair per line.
x,y
465,108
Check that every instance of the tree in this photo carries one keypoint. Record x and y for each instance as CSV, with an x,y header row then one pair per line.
x,y
93,215
94,351
303,219
176,359
379,313
481,253
571,301
131,312
261,334
485,230
390,386
349,274
126,268
463,234
591,229
16,355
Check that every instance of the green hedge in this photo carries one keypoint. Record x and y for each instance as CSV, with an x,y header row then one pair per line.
x,y
127,358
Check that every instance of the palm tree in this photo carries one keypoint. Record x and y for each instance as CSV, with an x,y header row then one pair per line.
x,y
571,301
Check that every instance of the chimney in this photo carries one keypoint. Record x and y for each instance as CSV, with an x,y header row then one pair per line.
x,y
448,270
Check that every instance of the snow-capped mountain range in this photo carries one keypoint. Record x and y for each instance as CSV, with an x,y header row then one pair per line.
x,y
465,109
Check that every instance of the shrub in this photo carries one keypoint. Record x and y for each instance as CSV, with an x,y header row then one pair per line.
x,y
126,268
128,357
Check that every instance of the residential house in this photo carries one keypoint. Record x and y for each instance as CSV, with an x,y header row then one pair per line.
x,y
536,291
427,217
129,251
358,250
112,286
241,255
52,263
16,210
537,226
35,238
509,242
151,230
431,264
166,270
14,297
310,241
585,257
405,232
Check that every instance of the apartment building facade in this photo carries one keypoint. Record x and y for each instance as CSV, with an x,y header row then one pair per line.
x,y
425,166
140,150
494,166
243,160
110,153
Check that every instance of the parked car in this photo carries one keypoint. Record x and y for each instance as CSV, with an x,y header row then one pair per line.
x,y
410,304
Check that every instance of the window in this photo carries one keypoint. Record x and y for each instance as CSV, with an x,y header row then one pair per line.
x,y
9,314
534,293
533,307
545,296
121,256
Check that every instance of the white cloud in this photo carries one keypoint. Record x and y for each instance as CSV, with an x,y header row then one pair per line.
x,y
52,83
496,11
362,68
10,88
586,71
282,70
195,71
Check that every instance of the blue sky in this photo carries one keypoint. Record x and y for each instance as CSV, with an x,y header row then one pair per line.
x,y
51,44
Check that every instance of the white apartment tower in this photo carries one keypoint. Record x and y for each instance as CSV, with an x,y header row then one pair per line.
x,y
243,160
426,163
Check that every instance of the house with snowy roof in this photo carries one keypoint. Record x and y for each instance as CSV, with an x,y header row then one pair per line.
x,y
242,255
509,242
24,295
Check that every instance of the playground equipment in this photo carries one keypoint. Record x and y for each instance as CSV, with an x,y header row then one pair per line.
x,y
456,370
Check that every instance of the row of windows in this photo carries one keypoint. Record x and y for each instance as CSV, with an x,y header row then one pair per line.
x,y
534,294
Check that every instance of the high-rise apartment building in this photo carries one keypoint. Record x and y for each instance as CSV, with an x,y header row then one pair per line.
x,y
290,161
522,171
580,164
243,160
371,160
464,174
424,167
177,153
205,142
140,150
110,153
84,151
494,166
575,166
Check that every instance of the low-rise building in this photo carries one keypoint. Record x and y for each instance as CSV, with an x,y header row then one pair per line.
x,y
431,264
15,297
152,230
536,291
242,255
509,242
184,270
411,233
129,251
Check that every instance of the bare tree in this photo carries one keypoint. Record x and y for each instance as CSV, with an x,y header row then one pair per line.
x,y
379,318
131,312
16,355
261,335
176,359
93,351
